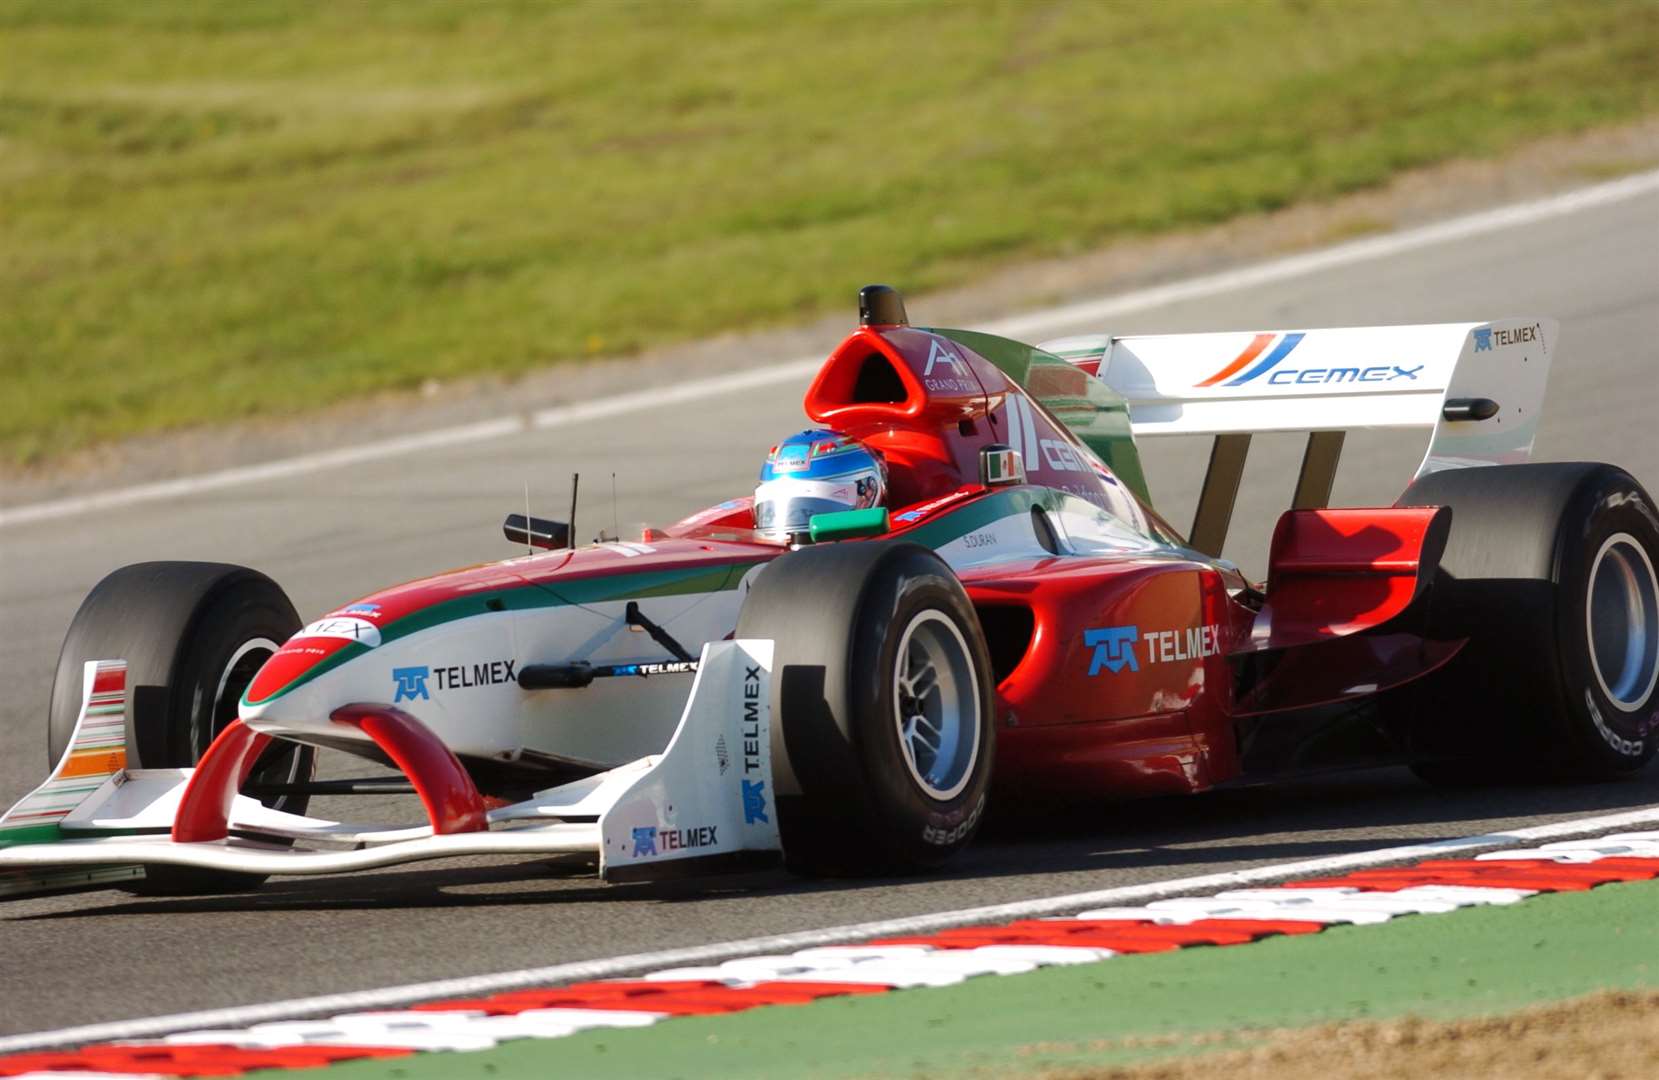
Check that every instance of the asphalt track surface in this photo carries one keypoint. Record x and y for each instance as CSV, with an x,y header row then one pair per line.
x,y
331,536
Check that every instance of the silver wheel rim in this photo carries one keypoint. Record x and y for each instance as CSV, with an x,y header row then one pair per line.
x,y
238,672
1621,618
936,705
243,664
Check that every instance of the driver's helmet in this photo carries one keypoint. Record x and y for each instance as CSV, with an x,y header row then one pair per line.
x,y
815,472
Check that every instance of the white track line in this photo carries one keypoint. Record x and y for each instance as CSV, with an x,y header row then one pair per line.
x,y
1035,323
478,985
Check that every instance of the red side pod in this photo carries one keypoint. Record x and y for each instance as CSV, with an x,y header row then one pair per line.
x,y
1337,572
452,801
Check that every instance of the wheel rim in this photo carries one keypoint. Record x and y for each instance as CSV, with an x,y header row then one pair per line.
x,y
283,762
936,705
238,672
1622,619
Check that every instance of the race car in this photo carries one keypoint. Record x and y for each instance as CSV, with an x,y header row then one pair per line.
x,y
953,589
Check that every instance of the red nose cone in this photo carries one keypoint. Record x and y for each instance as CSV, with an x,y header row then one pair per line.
x,y
290,664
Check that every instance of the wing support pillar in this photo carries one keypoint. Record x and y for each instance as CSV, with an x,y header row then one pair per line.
x,y
1318,473
452,801
204,809
1219,493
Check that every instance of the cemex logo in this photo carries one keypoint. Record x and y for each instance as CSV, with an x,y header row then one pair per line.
x,y
411,683
754,802
1114,647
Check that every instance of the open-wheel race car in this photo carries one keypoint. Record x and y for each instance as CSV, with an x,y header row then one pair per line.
x,y
953,589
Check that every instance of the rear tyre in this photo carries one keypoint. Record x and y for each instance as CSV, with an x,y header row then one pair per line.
x,y
1550,574
882,709
193,635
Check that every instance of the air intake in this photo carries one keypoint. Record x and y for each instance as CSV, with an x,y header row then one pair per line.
x,y
881,305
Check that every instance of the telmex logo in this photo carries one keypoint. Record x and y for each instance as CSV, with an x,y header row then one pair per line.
x,y
1250,365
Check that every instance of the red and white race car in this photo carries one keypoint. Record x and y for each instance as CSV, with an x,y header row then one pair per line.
x,y
848,698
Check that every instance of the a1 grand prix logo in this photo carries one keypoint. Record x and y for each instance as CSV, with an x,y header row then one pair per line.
x,y
1245,367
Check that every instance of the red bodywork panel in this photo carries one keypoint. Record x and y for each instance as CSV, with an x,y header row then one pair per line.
x,y
1126,685
935,420
1336,572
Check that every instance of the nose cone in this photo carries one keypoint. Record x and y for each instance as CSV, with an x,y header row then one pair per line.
x,y
298,662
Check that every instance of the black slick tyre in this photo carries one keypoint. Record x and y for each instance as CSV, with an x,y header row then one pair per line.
x,y
883,731
193,635
1549,573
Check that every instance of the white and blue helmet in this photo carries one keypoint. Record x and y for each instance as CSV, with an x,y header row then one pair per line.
x,y
815,472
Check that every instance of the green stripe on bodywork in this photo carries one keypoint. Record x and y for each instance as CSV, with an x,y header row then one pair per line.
x,y
1099,416
640,585
1127,1008
955,523
44,833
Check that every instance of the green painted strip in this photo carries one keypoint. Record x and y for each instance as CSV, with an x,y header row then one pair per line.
x,y
30,834
963,519
530,596
1470,962
1099,416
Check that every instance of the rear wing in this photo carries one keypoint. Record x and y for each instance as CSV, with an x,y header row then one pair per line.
x,y
1478,386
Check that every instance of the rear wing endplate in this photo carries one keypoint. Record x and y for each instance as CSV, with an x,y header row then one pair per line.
x,y
1478,386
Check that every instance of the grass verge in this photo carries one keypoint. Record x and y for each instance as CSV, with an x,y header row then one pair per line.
x,y
215,211
1127,1009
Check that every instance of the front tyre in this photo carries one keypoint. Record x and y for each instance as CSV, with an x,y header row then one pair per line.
x,y
883,708
193,636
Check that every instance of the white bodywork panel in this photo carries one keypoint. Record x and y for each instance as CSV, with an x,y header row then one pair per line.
x,y
602,725
709,793
1336,379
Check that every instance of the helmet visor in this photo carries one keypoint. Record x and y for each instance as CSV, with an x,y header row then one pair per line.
x,y
786,506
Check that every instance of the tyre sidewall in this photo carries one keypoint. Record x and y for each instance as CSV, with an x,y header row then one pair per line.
x,y
239,612
917,827
1608,738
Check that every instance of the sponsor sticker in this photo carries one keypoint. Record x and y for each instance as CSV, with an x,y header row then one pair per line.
x,y
651,840
754,802
1320,376
467,676
1115,646
749,721
1488,338
410,683
940,355
344,626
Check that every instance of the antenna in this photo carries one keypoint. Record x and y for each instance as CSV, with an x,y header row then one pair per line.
x,y
575,481
616,529
529,548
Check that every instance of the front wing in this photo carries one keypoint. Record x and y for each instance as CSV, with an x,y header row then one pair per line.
x,y
704,804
